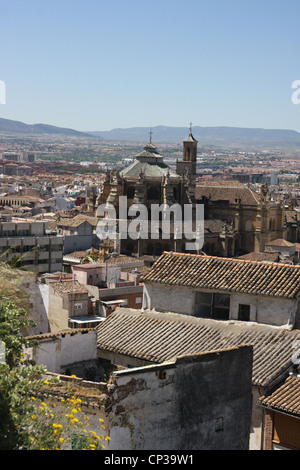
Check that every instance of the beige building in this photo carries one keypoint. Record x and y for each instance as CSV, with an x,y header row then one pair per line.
x,y
28,243
254,219
18,201
71,305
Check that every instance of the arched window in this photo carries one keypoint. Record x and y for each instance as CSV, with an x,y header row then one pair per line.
x,y
153,193
130,192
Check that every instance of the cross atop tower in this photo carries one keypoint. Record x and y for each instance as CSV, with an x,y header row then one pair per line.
x,y
150,136
191,127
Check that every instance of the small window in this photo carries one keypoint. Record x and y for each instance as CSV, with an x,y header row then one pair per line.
x,y
244,312
215,306
138,300
221,307
219,424
203,304
77,306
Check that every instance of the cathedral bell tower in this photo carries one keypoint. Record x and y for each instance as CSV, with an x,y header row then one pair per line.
x,y
187,166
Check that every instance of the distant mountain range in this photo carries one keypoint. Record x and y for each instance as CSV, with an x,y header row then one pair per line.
x,y
234,137
16,127
216,136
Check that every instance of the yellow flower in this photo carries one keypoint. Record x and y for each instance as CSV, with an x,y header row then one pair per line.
x,y
44,404
74,410
61,440
33,416
57,425
46,382
101,420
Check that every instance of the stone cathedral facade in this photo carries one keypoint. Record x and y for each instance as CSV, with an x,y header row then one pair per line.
x,y
238,219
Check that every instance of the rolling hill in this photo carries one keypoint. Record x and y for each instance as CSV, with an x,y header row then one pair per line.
x,y
16,127
217,136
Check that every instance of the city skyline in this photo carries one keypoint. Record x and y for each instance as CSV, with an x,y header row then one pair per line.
x,y
95,65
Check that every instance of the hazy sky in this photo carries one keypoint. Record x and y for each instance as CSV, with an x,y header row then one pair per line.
x,y
97,65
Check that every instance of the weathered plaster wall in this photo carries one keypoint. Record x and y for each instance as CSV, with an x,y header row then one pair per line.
x,y
62,351
263,309
168,299
256,422
197,402
58,316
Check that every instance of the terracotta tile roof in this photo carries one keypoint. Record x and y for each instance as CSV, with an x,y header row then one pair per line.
x,y
226,274
285,398
73,287
257,256
227,191
280,242
158,337
76,221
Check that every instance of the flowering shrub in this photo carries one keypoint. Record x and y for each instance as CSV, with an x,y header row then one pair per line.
x,y
28,420
63,426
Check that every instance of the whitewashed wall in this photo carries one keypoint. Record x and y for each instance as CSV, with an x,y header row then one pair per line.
x,y
56,351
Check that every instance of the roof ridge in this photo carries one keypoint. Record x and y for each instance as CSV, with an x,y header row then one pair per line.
x,y
232,259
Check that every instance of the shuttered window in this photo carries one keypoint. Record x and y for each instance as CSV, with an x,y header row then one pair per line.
x,y
286,431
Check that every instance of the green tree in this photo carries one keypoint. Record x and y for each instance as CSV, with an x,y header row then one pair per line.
x,y
12,322
26,421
